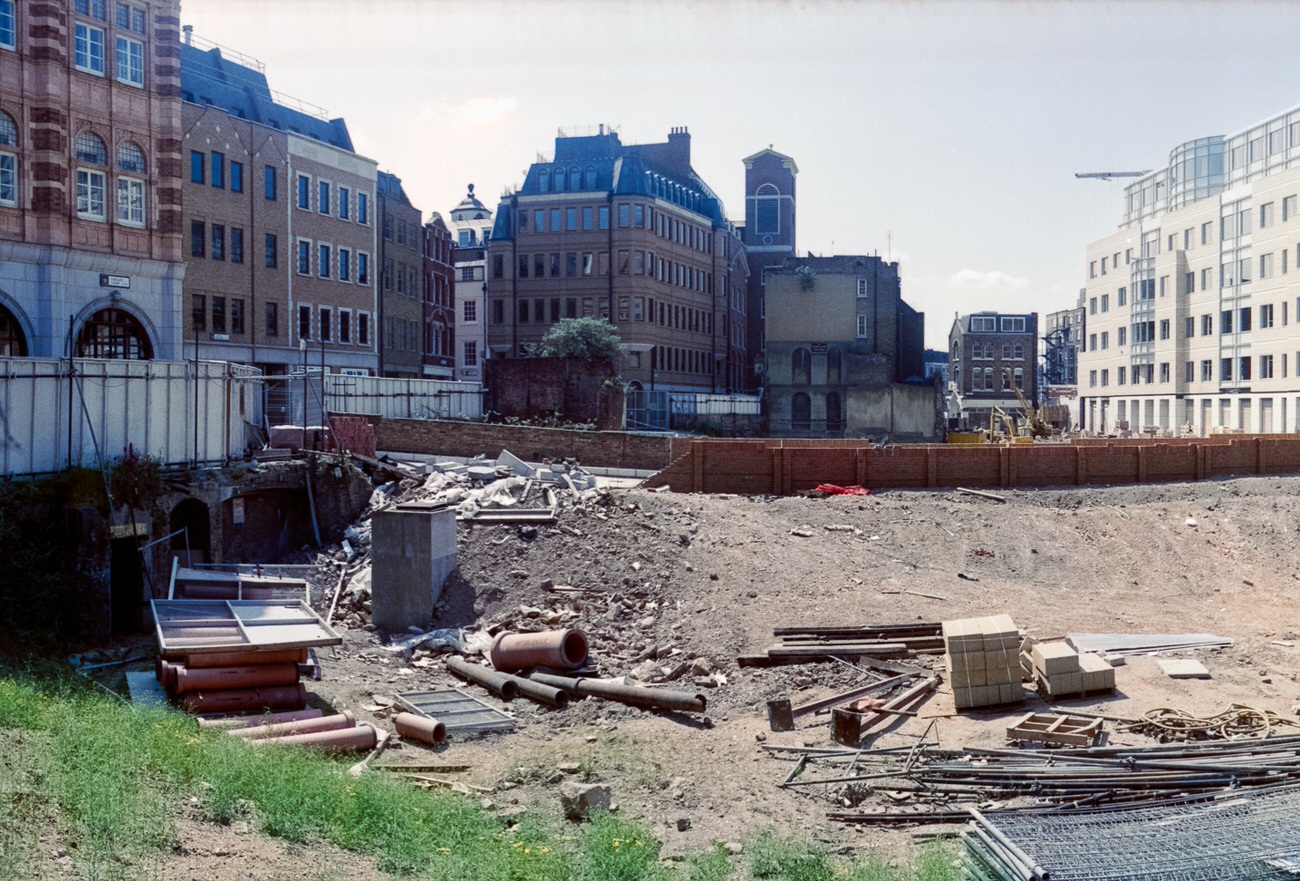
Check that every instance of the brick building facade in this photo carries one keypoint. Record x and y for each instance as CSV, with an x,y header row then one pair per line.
x,y
90,217
401,281
439,301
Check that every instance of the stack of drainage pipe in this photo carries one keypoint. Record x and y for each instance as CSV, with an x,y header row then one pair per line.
x,y
513,653
235,682
337,733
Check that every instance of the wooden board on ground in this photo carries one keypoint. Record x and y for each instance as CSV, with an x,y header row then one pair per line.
x,y
1056,729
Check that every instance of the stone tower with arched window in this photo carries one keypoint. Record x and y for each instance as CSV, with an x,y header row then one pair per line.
x,y
769,237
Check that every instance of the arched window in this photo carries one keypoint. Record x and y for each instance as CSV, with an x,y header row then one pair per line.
x,y
834,417
801,367
834,362
589,183
575,178
92,185
115,334
1020,378
800,414
8,161
544,181
988,379
12,342
767,210
977,380
130,190
91,149
558,179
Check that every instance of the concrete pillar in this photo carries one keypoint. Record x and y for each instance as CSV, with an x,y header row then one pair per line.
x,y
413,550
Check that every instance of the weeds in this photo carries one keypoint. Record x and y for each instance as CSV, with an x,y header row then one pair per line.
x,y
109,779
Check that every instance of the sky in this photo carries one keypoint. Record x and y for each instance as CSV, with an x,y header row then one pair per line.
x,y
942,134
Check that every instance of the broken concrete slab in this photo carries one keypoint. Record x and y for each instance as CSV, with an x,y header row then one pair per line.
x,y
579,800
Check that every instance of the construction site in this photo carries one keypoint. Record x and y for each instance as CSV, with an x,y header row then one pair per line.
x,y
876,646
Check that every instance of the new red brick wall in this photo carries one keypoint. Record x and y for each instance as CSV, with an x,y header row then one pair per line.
x,y
783,467
607,449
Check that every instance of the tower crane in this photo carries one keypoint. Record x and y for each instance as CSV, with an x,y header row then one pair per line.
x,y
1107,175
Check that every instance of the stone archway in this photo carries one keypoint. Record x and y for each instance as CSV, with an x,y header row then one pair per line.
x,y
114,334
192,516
13,342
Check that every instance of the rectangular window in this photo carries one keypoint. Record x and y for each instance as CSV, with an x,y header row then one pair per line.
x,y
1189,371
1243,369
1225,370
586,263
1121,297
1205,279
1105,339
624,216
1225,321
304,257
1288,207
198,238
604,217
1205,232
1105,377
555,220
345,265
326,330
272,319
1207,325
236,245
1105,302
218,166
218,241
1122,375
1092,306
1189,283
498,311
88,49
1207,370
1266,315
983,324
236,315
471,353
570,219
570,264
199,313
1189,327
638,216
345,203
8,176
1243,319
236,176
130,201
323,256
363,269
345,326
363,217
7,24
1266,215
272,251
1265,366
268,183
523,311
130,61
1120,335
218,314
586,218
323,197
471,311
1164,328
304,322
1164,371
198,162
862,326
304,192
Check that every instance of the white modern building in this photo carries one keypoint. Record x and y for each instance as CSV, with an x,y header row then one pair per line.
x,y
1192,303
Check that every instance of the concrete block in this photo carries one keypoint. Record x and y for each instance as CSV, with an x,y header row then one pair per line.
x,y
1183,668
1064,683
413,550
1051,658
961,697
1012,693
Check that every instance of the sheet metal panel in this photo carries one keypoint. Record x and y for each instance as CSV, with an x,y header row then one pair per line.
x,y
216,625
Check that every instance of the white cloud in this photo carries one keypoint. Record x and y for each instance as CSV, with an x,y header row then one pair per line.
x,y
987,280
479,111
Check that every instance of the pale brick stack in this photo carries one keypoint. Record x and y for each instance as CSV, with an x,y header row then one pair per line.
x,y
1059,670
983,661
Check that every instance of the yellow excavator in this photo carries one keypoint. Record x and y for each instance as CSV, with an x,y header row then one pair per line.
x,y
1033,419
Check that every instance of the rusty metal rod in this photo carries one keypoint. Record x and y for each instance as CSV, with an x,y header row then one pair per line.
x,y
635,695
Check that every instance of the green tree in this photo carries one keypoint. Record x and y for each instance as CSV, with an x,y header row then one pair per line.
x,y
591,339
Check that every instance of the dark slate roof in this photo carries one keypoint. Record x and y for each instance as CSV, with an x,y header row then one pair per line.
x,y
602,163
209,78
390,187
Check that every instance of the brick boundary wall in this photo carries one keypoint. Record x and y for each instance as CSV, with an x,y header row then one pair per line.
x,y
602,449
785,467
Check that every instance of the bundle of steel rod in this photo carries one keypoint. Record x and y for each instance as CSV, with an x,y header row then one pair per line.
x,y
1093,779
1237,837
880,640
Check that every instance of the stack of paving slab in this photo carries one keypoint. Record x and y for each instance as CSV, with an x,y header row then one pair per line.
x,y
1059,670
983,661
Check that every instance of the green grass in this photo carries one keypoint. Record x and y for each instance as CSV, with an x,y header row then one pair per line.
x,y
109,780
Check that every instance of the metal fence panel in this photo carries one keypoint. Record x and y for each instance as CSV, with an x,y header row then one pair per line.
x,y
403,398
55,413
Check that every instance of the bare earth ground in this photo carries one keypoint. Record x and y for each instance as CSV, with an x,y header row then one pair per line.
x,y
675,578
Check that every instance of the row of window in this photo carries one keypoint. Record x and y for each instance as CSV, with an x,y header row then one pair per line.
x,y
407,233
985,379
215,165
400,276
332,262
571,219
215,247
333,201
1241,320
1230,370
92,184
90,41
325,329
400,335
985,351
235,326
995,324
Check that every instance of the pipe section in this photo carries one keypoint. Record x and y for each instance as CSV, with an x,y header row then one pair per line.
x,y
343,740
425,729
297,726
236,659
246,676
242,700
636,695
260,719
497,683
564,649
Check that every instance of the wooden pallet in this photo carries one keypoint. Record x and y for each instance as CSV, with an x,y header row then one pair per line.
x,y
1056,729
